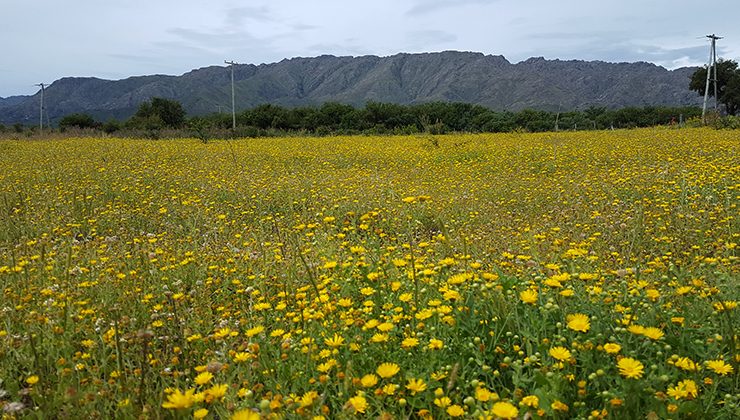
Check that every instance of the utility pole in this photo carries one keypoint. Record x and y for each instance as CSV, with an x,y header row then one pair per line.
x,y
41,108
233,108
711,66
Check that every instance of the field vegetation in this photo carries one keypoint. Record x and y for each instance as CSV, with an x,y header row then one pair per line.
x,y
165,118
555,275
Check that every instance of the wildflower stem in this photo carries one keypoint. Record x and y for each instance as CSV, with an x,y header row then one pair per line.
x,y
119,353
413,278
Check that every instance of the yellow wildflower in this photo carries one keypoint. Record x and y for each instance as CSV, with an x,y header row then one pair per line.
x,y
719,367
505,410
369,380
357,404
579,322
416,385
177,400
630,368
560,353
387,370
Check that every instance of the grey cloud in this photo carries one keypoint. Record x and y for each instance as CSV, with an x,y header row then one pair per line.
x,y
303,27
151,59
234,41
234,29
209,38
220,40
563,36
667,33
185,48
236,16
658,53
188,45
130,57
619,51
346,48
616,45
430,6
629,51
428,38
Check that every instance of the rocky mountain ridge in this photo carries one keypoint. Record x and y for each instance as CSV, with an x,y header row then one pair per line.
x,y
451,76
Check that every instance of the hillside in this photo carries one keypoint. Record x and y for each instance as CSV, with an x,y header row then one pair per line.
x,y
486,80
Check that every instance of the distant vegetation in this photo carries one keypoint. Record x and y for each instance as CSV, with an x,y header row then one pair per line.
x,y
164,116
78,121
487,80
161,116
728,84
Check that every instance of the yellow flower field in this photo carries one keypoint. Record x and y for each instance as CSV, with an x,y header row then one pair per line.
x,y
560,275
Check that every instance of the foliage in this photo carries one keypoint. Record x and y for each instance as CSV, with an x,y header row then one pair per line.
x,y
728,84
111,126
730,122
436,118
157,114
557,275
199,127
441,117
81,121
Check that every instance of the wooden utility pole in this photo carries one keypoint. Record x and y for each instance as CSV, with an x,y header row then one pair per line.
x,y
41,108
711,78
233,108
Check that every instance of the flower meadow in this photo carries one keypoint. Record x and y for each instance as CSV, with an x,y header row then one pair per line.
x,y
562,275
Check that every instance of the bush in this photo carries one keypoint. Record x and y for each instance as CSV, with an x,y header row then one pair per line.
x,y
158,113
111,126
729,122
81,121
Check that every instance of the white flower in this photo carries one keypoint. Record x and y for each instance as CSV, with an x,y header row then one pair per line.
x,y
13,407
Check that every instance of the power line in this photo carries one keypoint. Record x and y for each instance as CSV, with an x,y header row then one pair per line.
x,y
233,107
712,66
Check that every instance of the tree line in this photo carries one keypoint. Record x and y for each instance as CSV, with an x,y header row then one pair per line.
x,y
439,118
333,118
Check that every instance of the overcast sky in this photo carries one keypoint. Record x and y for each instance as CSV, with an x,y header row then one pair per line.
x,y
44,40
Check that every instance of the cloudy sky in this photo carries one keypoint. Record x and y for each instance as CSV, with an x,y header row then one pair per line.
x,y
45,40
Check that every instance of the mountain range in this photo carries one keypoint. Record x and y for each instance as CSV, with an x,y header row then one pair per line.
x,y
450,76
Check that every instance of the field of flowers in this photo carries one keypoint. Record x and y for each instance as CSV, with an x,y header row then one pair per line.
x,y
562,275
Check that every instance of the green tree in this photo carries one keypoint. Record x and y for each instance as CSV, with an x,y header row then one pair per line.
x,y
158,113
728,84
78,121
387,116
731,97
111,126
267,116
535,120
200,127
333,115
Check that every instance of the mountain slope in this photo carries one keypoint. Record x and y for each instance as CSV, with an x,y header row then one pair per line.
x,y
487,80
12,100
